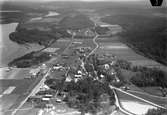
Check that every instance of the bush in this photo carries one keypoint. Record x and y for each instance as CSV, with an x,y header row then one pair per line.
x,y
150,77
30,59
157,112
123,64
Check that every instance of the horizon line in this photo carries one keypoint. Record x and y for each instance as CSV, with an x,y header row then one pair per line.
x,y
72,0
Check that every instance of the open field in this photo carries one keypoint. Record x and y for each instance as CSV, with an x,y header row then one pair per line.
x,y
123,52
15,73
61,44
152,90
85,42
44,29
112,45
7,100
158,100
145,33
27,109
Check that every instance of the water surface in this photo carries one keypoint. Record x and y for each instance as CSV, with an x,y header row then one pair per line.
x,y
10,50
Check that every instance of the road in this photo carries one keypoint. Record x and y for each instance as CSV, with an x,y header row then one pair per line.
x,y
148,94
117,100
112,87
116,97
118,104
151,103
36,88
97,45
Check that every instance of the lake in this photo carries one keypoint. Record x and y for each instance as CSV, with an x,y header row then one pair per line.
x,y
10,50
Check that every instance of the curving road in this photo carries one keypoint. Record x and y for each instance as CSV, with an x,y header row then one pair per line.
x,y
97,46
117,99
149,102
148,94
119,105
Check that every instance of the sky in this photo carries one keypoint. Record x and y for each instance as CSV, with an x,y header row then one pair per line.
x,y
78,0
111,0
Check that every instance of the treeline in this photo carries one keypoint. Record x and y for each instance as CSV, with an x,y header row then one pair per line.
x,y
76,22
23,36
145,76
101,30
83,37
153,77
23,8
30,59
156,112
146,34
12,17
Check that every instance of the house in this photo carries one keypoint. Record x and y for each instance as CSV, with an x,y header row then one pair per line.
x,y
76,42
106,66
111,72
35,71
102,76
117,79
125,88
78,76
51,50
45,87
79,72
89,33
58,67
68,79
50,106
48,96
85,33
76,80
45,99
43,66
113,63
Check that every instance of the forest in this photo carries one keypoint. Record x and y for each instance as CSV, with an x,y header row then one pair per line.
x,y
144,33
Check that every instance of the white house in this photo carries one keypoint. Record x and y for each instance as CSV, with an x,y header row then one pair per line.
x,y
106,66
51,50
35,71
68,79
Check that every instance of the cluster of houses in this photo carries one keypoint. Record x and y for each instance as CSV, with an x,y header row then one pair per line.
x,y
34,72
84,33
82,50
75,77
109,71
74,72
